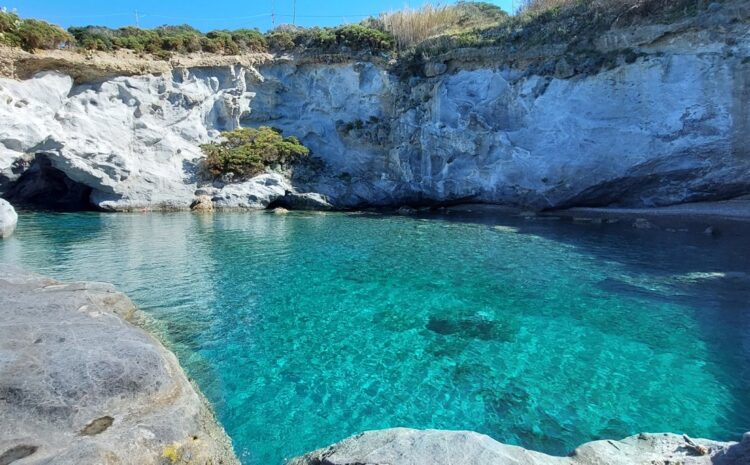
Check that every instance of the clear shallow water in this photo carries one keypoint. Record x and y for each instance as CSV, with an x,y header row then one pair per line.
x,y
307,328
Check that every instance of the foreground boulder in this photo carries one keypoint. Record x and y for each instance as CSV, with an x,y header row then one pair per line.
x,y
8,219
80,384
401,446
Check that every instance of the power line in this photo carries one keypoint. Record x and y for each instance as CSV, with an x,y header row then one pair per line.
x,y
202,18
273,15
142,15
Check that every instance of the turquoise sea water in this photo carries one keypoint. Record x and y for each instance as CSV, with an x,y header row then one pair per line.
x,y
307,328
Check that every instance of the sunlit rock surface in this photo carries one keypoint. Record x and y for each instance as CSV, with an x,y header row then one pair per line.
x,y
401,446
8,219
79,384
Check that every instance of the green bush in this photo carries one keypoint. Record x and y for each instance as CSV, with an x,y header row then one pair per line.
x,y
31,34
9,23
281,41
349,37
247,152
250,40
93,37
359,37
164,39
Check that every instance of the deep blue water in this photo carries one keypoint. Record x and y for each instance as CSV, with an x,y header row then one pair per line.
x,y
307,328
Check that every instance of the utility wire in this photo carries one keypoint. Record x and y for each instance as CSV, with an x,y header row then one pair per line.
x,y
141,14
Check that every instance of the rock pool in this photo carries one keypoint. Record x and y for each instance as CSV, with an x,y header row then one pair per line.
x,y
305,328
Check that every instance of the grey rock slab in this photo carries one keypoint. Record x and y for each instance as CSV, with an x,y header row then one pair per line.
x,y
402,446
80,384
305,201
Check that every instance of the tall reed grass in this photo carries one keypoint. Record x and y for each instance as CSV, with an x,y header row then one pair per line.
x,y
410,26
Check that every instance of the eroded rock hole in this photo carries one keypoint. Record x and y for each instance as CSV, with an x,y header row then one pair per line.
x,y
45,187
98,426
16,453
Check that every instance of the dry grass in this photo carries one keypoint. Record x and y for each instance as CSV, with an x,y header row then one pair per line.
x,y
411,26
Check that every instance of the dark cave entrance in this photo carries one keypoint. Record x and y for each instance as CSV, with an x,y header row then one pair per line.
x,y
44,187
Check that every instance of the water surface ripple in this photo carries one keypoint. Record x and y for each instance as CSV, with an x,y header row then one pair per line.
x,y
307,328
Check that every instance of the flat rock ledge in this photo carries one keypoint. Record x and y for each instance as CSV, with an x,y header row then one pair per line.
x,y
401,446
81,384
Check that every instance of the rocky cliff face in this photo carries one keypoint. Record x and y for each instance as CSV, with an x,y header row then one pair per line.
x,y
663,119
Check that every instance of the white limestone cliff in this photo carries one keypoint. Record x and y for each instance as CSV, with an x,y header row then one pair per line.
x,y
666,126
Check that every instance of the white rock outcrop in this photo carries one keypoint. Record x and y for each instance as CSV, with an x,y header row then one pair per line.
x,y
257,193
401,446
133,140
8,219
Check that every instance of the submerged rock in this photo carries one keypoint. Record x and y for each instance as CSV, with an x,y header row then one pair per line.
x,y
80,384
401,446
406,210
472,328
643,223
8,219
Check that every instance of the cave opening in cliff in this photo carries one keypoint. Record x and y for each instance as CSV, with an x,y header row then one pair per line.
x,y
44,187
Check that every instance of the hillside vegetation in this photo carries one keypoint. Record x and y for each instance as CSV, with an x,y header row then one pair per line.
x,y
31,34
409,32
558,22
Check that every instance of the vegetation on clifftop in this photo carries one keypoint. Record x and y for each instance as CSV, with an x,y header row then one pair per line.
x,y
31,34
409,33
350,37
178,39
247,152
560,22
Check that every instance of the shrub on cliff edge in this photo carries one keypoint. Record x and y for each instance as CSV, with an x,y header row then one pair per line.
x,y
31,34
348,37
247,152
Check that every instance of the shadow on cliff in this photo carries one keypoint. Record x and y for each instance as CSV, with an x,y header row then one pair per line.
x,y
44,187
738,454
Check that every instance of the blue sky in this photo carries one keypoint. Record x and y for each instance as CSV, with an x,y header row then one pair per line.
x,y
225,14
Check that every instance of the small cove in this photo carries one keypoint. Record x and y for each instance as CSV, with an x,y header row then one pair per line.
x,y
306,328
